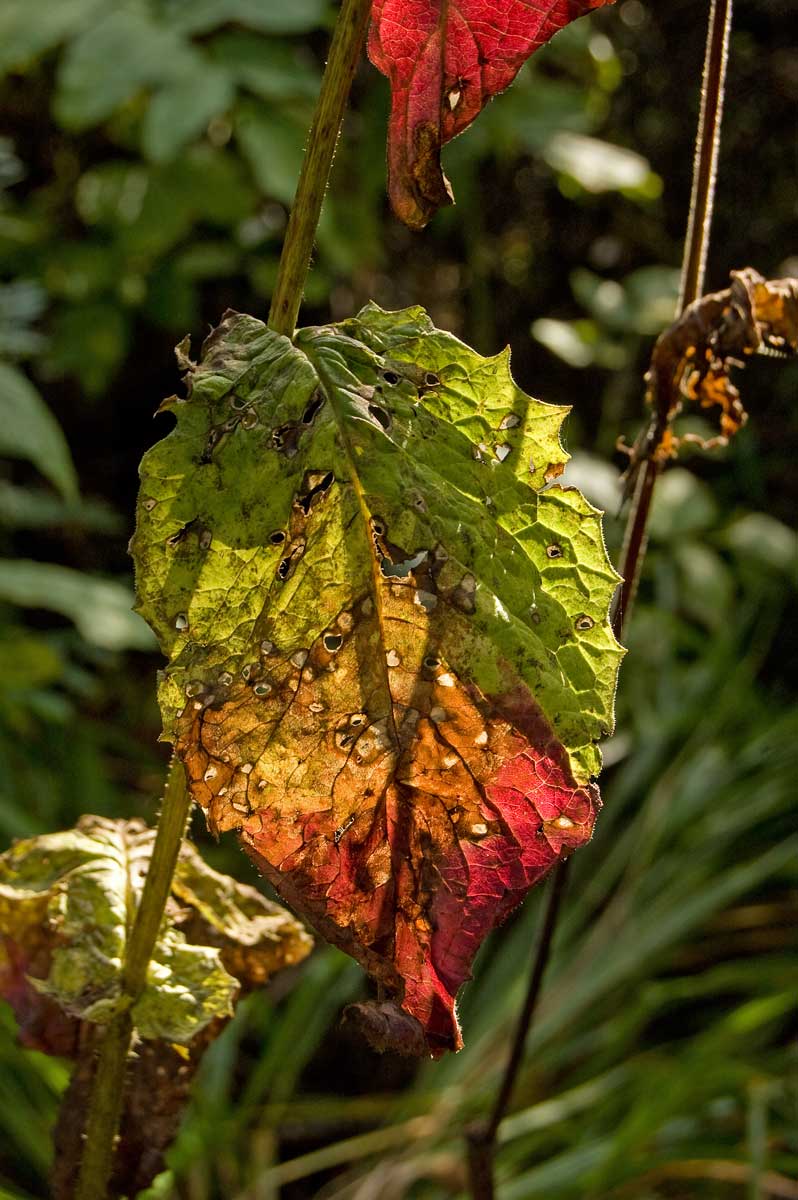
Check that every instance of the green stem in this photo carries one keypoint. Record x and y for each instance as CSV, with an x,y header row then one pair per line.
x,y
107,1092
345,50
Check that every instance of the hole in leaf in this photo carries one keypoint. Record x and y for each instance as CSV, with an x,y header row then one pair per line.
x,y
401,570
315,490
380,415
431,379
332,642
316,402
390,377
554,551
277,537
584,622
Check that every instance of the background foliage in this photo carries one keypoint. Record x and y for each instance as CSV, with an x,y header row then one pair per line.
x,y
149,149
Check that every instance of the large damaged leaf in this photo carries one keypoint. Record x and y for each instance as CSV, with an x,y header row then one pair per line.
x,y
389,654
445,61
67,901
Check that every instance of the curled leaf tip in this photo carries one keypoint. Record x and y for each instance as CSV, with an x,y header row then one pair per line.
x,y
444,63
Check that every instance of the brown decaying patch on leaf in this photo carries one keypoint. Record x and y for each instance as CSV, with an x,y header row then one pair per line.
x,y
405,821
255,939
157,1088
692,360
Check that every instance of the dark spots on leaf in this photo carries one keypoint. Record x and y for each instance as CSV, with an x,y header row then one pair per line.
x,y
315,487
178,537
554,551
583,622
332,642
287,564
341,830
315,404
380,415
285,438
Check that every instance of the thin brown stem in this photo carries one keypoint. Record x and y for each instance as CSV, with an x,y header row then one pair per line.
x,y
705,167
482,1136
345,51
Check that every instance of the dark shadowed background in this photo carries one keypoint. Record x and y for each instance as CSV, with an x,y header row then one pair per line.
x,y
148,152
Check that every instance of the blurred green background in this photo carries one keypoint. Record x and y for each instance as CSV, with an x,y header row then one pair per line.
x,y
148,151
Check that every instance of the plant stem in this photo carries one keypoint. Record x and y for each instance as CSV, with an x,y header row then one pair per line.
x,y
705,166
482,1136
107,1091
345,50
705,169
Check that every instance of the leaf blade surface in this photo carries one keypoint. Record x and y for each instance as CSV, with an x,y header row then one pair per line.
x,y
390,661
445,60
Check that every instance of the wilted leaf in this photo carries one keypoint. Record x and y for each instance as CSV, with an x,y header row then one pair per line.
x,y
444,63
389,655
693,359
66,906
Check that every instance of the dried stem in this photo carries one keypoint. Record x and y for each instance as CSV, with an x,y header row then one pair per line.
x,y
696,243
107,1091
345,50
482,1136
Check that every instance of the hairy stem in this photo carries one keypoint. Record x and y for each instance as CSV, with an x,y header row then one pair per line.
x,y
482,1136
107,1092
345,50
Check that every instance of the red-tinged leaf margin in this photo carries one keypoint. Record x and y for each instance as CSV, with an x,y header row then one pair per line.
x,y
445,60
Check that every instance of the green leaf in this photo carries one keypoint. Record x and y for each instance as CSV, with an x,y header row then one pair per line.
x,y
271,141
200,16
67,903
182,109
105,65
363,591
272,70
599,166
27,31
100,608
29,430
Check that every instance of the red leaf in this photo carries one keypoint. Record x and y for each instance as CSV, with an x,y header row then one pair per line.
x,y
413,885
445,59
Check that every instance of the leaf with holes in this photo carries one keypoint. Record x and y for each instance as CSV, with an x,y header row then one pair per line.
x,y
445,61
389,654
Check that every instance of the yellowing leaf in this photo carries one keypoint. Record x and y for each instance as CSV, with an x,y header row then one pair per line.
x,y
389,654
67,901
